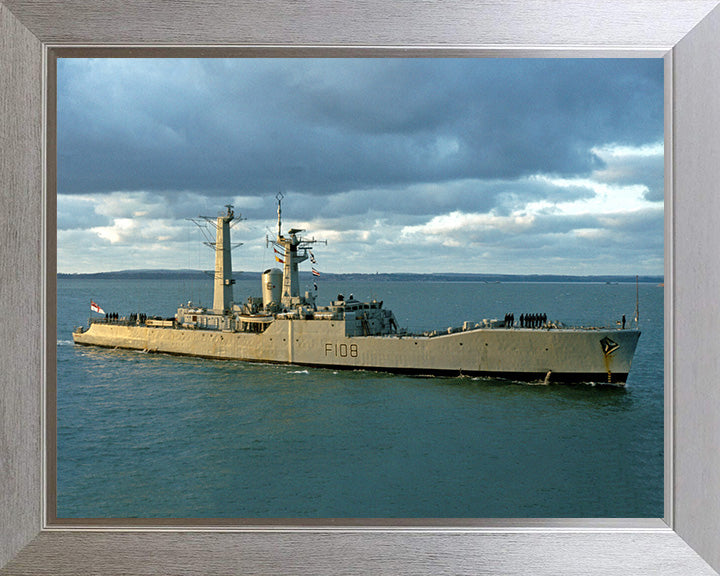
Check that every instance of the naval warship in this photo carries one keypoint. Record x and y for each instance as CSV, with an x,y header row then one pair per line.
x,y
284,326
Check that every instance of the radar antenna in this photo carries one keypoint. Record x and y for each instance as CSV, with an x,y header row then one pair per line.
x,y
202,222
279,197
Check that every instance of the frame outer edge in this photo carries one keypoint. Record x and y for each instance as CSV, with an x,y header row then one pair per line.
x,y
371,22
696,120
21,329
22,161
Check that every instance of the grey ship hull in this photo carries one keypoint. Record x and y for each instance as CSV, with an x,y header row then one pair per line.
x,y
558,354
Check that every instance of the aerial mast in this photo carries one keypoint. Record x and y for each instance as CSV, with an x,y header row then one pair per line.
x,y
637,300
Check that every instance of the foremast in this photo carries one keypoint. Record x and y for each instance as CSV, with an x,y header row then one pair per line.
x,y
223,280
222,292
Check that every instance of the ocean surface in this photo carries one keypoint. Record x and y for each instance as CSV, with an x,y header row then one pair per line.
x,y
151,435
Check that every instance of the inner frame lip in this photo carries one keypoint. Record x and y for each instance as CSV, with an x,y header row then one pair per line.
x,y
53,51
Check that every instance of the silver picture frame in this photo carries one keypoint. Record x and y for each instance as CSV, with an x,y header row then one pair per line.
x,y
683,32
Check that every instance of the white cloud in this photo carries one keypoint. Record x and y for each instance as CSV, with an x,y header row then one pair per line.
x,y
516,236
121,230
451,228
623,151
607,199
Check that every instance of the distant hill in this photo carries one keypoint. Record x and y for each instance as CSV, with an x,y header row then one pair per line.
x,y
378,277
143,274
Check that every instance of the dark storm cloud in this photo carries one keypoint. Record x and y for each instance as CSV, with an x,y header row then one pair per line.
x,y
253,127
402,165
406,204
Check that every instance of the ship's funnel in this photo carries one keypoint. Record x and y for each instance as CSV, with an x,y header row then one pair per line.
x,y
271,286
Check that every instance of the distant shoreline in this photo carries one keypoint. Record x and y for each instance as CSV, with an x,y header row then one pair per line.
x,y
377,277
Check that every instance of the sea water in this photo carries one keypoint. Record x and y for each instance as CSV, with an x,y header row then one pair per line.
x,y
152,435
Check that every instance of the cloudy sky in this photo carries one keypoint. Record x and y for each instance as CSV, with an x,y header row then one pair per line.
x,y
409,165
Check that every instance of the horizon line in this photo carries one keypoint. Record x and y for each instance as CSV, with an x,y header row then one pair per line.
x,y
377,273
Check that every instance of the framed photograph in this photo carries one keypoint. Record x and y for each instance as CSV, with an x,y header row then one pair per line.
x,y
645,545
439,207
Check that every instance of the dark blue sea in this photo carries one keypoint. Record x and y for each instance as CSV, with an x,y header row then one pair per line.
x,y
151,435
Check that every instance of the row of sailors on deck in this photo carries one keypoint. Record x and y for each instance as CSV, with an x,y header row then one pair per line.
x,y
133,318
527,320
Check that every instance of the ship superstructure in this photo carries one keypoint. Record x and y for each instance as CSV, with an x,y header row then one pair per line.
x,y
284,326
